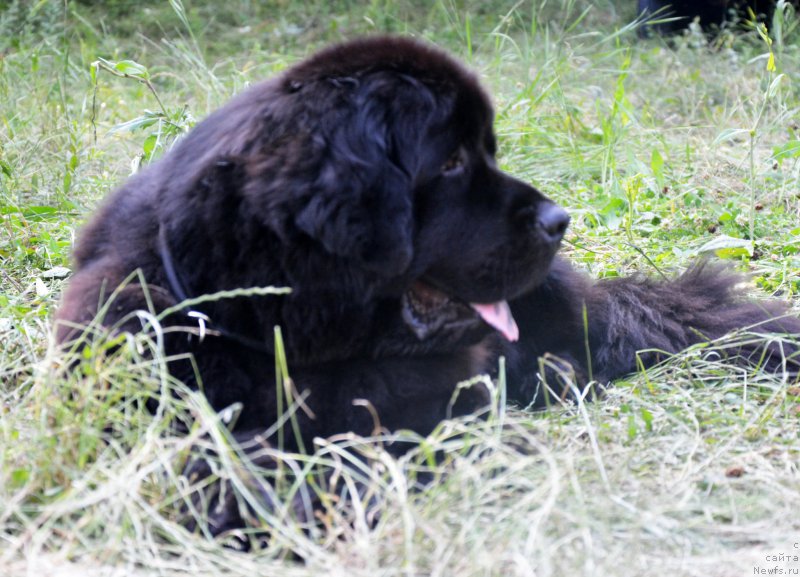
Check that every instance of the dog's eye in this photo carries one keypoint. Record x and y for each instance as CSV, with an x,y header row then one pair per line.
x,y
454,164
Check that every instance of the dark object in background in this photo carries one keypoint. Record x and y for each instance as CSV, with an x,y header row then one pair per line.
x,y
712,14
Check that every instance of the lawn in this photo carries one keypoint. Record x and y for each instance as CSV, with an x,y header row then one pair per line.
x,y
664,150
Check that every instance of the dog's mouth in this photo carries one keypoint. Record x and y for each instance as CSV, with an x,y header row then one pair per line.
x,y
428,310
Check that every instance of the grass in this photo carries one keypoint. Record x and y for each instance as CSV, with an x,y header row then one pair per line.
x,y
663,150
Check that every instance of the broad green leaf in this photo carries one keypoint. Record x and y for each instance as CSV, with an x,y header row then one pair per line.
x,y
40,212
728,247
149,145
657,164
789,150
132,68
144,121
19,477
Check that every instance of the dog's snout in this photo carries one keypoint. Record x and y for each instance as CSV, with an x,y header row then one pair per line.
x,y
552,221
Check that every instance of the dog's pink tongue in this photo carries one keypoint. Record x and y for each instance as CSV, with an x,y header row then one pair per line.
x,y
498,315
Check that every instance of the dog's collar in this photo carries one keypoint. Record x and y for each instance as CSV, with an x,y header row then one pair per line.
x,y
207,326
174,280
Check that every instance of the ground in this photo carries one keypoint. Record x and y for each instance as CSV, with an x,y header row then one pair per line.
x,y
665,150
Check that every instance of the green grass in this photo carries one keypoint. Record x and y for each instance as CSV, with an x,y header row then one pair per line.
x,y
662,150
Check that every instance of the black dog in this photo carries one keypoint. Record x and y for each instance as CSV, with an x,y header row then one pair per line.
x,y
675,15
364,178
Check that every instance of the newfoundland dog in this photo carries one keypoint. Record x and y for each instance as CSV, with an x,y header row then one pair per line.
x,y
364,179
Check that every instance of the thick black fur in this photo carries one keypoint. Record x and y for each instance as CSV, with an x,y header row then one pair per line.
x,y
350,177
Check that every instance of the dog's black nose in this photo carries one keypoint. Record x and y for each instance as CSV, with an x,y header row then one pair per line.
x,y
552,220
543,218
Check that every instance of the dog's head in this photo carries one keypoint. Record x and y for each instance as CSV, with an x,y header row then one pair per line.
x,y
371,168
408,185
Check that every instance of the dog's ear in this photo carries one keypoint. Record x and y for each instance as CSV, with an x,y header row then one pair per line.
x,y
361,204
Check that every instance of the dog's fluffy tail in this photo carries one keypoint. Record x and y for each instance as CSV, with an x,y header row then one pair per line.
x,y
609,328
703,304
